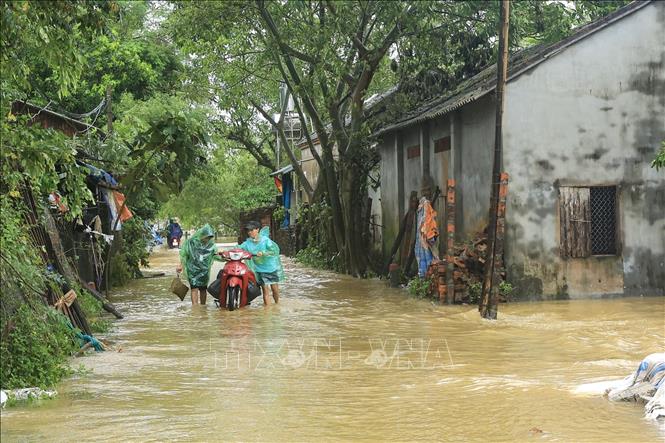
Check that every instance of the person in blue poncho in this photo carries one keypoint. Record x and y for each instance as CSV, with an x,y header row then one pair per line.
x,y
266,263
173,232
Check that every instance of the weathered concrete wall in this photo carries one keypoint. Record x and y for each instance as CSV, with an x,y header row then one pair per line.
x,y
472,142
376,213
389,190
594,114
412,166
439,168
476,138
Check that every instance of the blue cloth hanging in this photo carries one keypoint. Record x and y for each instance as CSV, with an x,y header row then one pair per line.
x,y
287,186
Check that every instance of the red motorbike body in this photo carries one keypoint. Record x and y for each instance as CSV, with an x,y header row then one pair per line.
x,y
235,274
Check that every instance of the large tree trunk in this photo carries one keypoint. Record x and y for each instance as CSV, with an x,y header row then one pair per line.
x,y
353,192
333,195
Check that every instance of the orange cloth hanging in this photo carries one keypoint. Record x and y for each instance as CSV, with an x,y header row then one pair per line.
x,y
278,183
119,198
429,228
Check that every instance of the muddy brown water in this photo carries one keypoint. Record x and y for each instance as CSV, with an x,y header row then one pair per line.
x,y
346,359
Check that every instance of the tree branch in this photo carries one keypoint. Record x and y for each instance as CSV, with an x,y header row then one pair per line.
x,y
294,161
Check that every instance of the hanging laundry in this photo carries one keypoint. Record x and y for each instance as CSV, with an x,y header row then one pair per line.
x,y
116,224
427,234
287,184
125,213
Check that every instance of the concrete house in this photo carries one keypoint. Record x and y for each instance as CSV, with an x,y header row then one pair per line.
x,y
583,120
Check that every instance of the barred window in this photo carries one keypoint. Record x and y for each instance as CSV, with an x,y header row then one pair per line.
x,y
413,151
442,144
588,221
603,220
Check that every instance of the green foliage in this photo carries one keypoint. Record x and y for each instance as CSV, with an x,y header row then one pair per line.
x,y
659,161
49,34
229,185
475,291
319,253
167,138
313,257
19,257
125,265
36,349
45,159
279,214
506,289
420,287
141,67
93,311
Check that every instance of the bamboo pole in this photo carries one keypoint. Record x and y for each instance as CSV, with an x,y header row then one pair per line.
x,y
487,307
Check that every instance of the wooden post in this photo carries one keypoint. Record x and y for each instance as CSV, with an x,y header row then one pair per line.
x,y
450,245
498,249
109,110
487,311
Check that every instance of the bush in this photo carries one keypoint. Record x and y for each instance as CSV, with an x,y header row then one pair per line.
x,y
36,348
476,289
93,311
420,287
313,257
132,253
278,215
316,220
506,290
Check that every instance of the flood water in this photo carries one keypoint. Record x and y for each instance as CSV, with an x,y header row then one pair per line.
x,y
346,359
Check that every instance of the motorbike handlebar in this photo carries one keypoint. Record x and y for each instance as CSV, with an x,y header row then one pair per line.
x,y
221,254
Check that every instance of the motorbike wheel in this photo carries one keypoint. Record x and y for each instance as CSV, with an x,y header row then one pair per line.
x,y
233,298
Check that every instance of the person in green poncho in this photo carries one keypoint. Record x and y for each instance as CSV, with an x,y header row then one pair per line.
x,y
196,256
266,263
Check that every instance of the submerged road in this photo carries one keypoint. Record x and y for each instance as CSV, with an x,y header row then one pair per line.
x,y
347,359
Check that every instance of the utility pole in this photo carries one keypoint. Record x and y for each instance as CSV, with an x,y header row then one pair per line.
x,y
490,294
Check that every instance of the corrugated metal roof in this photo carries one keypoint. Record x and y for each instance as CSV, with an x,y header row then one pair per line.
x,y
485,81
284,170
24,107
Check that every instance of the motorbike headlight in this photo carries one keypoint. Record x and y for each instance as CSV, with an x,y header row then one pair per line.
x,y
235,255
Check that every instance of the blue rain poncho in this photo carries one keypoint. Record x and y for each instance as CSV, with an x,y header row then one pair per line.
x,y
269,262
197,256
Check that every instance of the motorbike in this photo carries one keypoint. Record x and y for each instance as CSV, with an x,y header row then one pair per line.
x,y
235,286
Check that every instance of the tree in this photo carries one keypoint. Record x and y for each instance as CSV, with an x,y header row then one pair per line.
x,y
227,186
332,56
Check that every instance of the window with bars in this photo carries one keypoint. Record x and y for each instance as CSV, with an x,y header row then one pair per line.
x,y
442,144
413,151
588,221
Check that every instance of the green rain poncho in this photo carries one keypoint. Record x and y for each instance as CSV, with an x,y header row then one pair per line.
x,y
197,256
270,261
